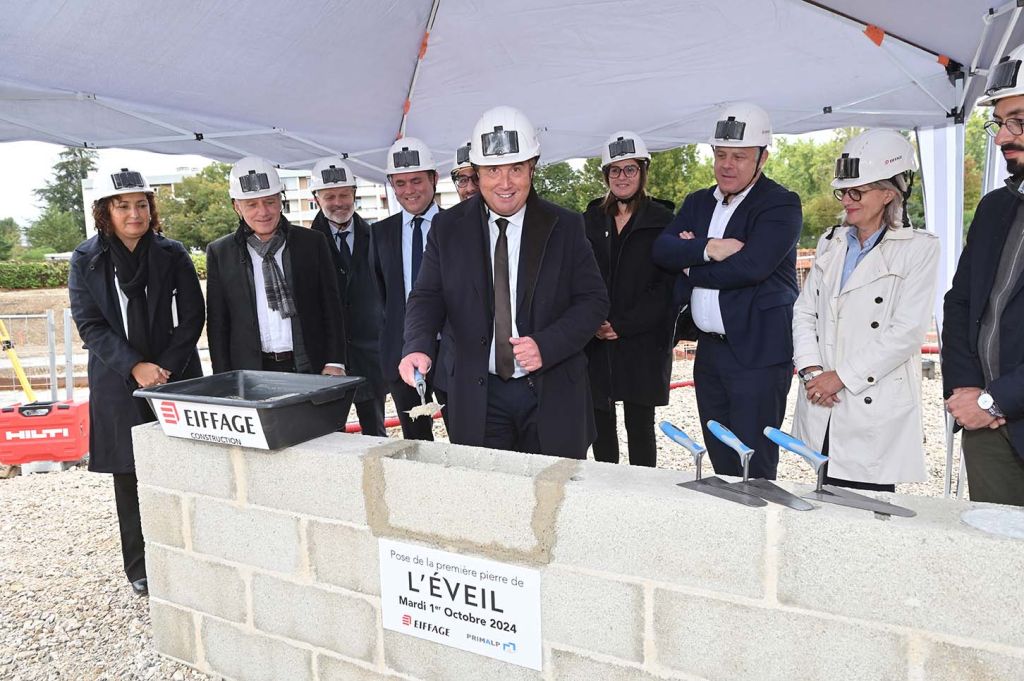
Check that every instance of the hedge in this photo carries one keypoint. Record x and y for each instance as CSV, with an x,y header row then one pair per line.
x,y
23,274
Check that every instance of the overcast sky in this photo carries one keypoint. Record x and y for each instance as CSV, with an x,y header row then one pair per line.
x,y
26,166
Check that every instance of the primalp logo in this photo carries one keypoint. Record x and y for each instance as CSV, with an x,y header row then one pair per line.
x,y
169,410
34,434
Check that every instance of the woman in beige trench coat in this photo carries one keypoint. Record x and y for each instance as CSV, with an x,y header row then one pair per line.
x,y
860,320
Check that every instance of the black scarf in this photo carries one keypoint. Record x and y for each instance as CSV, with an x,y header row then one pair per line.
x,y
132,271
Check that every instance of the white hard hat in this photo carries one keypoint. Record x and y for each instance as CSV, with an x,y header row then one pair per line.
x,y
117,181
1005,79
503,135
622,146
875,155
462,157
331,172
253,178
742,124
409,155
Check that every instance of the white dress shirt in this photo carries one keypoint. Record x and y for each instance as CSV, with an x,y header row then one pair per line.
x,y
407,217
704,306
514,235
275,330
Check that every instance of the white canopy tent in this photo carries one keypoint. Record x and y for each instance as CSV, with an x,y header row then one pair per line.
x,y
296,81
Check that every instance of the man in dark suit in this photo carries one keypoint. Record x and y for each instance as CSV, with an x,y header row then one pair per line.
x,y
511,283
982,335
271,290
334,190
734,246
396,255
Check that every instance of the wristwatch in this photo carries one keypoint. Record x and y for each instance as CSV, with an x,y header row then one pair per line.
x,y
807,376
988,403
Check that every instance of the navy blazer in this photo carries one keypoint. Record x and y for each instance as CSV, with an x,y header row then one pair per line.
x,y
965,304
389,275
176,313
758,285
361,307
561,301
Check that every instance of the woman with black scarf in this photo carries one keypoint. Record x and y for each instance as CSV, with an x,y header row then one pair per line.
x,y
630,356
136,300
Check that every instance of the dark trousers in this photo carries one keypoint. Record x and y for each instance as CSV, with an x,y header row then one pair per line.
x,y
406,397
271,364
133,546
742,399
639,435
994,471
511,415
371,416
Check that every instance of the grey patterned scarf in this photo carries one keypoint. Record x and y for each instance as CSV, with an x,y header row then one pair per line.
x,y
279,296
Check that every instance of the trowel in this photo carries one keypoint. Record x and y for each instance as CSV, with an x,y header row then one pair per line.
x,y
425,408
716,487
765,489
830,493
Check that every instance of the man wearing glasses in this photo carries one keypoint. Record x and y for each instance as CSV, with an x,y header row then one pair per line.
x,y
511,283
982,334
464,176
735,247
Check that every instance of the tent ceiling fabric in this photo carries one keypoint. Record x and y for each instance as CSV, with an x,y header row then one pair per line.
x,y
293,82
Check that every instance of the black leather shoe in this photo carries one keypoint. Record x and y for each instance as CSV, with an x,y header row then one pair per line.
x,y
141,587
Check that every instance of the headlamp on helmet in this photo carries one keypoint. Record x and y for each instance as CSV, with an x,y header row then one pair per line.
x,y
462,155
406,158
730,129
621,147
499,142
333,175
253,182
847,167
1003,76
128,179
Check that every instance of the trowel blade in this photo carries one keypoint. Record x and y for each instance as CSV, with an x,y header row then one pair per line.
x,y
428,409
773,493
721,489
831,494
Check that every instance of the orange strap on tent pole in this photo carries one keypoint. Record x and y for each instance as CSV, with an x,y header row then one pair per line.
x,y
874,34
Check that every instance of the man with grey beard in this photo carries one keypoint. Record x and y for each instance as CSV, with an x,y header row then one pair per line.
x,y
983,338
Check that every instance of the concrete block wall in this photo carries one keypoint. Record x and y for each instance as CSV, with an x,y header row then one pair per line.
x,y
264,565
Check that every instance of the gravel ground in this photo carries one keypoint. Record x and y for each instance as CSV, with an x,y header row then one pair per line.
x,y
67,612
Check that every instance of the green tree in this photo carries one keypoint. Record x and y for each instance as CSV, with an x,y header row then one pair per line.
x,y
55,230
570,188
63,193
674,173
199,210
10,238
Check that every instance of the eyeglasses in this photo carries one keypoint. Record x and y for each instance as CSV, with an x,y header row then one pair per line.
x,y
1015,126
854,193
628,171
462,181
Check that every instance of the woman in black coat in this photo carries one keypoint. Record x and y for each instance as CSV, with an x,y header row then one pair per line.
x,y
136,300
631,354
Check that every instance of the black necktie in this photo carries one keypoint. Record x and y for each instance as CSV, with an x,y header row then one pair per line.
x,y
504,361
417,247
346,252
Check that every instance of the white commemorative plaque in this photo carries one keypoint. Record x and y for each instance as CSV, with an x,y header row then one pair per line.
x,y
473,604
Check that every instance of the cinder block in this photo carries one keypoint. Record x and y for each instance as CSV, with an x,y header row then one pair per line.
x,y
322,477
637,522
161,517
195,583
238,654
183,465
345,624
480,507
247,535
947,662
344,556
428,660
593,613
724,641
568,666
334,669
174,633
920,572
